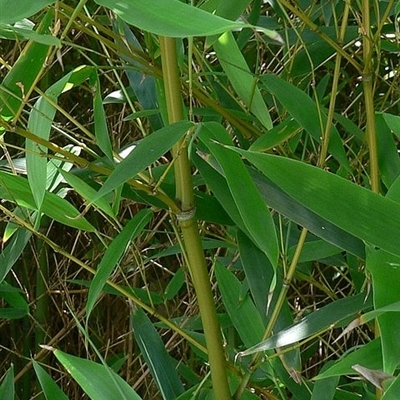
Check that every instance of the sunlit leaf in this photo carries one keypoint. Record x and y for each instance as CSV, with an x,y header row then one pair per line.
x,y
314,323
16,189
241,78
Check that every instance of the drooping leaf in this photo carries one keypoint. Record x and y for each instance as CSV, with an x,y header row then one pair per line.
x,y
141,84
388,157
12,251
244,315
259,271
39,123
241,78
356,210
7,390
155,355
114,253
50,389
252,208
175,284
98,381
100,123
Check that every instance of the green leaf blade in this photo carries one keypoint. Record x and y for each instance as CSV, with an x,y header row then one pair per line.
x,y
356,210
50,388
239,74
113,255
158,18
98,381
145,152
253,210
156,356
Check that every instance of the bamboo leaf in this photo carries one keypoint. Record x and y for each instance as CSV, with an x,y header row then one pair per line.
x,y
87,192
280,201
50,388
155,355
252,208
242,311
142,85
12,251
309,116
18,306
98,381
369,355
14,33
113,255
184,21
385,271
241,78
39,123
7,390
356,210
19,10
145,152
392,389
314,323
231,9
17,190
20,79
325,389
258,269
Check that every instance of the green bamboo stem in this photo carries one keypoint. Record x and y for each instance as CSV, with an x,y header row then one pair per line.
x,y
189,227
368,82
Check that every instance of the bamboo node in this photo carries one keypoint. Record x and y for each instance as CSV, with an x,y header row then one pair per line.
x,y
186,215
